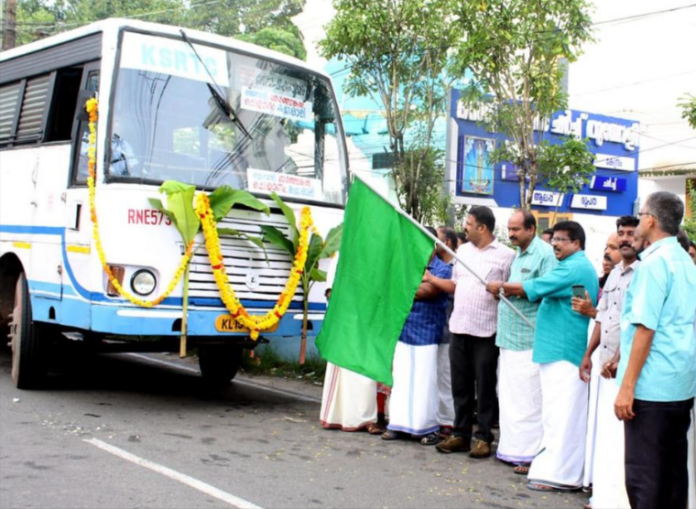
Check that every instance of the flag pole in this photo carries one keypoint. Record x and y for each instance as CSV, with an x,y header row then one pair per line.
x,y
444,246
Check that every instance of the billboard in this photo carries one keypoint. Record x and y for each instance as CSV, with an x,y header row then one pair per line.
x,y
612,190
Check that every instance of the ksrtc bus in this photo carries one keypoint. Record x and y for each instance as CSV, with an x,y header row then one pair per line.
x,y
174,104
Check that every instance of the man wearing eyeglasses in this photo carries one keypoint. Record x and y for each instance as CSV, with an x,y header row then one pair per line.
x,y
657,370
560,339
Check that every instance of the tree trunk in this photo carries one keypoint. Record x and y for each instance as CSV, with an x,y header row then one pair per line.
x,y
523,186
184,318
10,25
305,320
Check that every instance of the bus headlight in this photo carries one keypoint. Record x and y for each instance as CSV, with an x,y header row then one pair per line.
x,y
143,282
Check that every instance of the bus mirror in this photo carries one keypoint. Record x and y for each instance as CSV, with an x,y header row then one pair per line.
x,y
82,99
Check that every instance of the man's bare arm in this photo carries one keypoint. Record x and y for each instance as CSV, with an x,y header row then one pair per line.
x,y
510,289
642,341
443,285
427,291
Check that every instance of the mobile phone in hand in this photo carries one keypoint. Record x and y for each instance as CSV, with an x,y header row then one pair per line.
x,y
579,291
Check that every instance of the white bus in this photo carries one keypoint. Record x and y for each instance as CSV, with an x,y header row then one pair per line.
x,y
173,105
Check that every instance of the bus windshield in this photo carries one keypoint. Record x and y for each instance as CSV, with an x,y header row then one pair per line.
x,y
210,117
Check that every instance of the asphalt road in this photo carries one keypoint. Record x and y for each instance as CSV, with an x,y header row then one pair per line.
x,y
124,431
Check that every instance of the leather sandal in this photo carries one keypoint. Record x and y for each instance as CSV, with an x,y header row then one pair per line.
x,y
391,435
374,429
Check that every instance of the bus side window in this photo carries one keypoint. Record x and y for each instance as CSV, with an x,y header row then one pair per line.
x,y
82,168
9,110
62,112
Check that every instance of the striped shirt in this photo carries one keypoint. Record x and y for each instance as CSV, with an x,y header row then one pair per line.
x,y
475,310
425,323
536,261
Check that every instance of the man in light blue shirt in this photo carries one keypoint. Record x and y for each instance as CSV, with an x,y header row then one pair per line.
x,y
519,383
657,371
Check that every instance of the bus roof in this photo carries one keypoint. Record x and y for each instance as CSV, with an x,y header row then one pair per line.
x,y
113,25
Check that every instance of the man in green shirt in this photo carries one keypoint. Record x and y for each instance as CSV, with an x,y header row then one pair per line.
x,y
519,385
559,345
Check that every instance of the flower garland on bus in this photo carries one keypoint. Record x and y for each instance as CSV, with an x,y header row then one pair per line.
x,y
255,323
92,108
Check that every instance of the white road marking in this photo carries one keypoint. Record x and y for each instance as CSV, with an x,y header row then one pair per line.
x,y
246,383
212,491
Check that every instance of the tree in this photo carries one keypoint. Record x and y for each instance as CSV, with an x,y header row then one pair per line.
x,y
231,18
688,105
514,48
277,39
690,221
397,54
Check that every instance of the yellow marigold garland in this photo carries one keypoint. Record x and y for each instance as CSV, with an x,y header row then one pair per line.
x,y
255,323
92,107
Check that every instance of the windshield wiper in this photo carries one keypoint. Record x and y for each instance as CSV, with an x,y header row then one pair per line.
x,y
215,92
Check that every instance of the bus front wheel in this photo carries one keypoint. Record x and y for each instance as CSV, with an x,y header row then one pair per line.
x,y
30,351
219,363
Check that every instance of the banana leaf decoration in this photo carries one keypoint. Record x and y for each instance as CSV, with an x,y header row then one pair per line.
x,y
180,210
319,249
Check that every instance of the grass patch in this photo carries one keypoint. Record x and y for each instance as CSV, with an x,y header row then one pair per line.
x,y
269,362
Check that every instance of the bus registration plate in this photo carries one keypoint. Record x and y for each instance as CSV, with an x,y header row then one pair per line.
x,y
226,323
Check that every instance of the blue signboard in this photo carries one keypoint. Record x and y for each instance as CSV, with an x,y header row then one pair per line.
x,y
612,190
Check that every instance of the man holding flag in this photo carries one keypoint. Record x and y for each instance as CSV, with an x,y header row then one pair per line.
x,y
414,399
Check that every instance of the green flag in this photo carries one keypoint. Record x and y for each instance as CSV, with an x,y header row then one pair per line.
x,y
382,260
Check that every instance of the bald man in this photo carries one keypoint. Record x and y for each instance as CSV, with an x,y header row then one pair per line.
x,y
612,256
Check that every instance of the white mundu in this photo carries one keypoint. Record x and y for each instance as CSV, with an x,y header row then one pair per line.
x,y
413,402
590,445
692,460
445,405
519,386
564,401
609,488
349,400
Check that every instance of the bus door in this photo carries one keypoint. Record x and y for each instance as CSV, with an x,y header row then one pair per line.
x,y
78,232
50,179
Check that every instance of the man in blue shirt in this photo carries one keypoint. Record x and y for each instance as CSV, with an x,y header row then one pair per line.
x,y
414,398
657,370
560,339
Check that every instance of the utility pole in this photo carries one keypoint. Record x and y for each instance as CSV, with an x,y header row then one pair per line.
x,y
10,25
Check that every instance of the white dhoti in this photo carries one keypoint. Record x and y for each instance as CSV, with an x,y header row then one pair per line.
x,y
564,413
590,444
519,386
609,487
349,400
692,461
445,401
413,401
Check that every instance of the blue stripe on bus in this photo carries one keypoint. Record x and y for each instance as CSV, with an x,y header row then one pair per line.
x,y
35,230
107,320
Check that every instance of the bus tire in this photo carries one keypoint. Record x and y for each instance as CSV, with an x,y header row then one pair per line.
x,y
219,363
30,348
